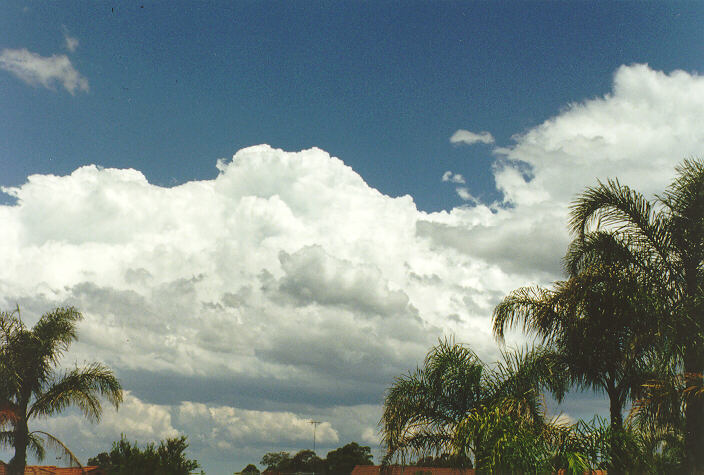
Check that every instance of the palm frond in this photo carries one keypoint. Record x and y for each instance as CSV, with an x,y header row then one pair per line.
x,y
35,446
7,439
58,447
685,196
531,308
618,208
599,248
80,387
9,323
57,330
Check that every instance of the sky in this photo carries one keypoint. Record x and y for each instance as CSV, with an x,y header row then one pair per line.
x,y
267,211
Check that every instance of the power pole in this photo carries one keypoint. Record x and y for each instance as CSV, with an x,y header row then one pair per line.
x,y
315,426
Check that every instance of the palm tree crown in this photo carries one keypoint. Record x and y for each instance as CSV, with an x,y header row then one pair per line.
x,y
30,386
457,406
664,240
592,321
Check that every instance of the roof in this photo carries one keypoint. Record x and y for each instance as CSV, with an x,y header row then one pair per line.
x,y
409,470
52,470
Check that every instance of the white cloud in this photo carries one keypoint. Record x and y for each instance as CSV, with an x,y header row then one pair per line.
x,y
638,133
313,276
206,425
238,426
35,69
469,138
563,419
136,419
452,177
237,271
287,285
71,42
370,435
464,193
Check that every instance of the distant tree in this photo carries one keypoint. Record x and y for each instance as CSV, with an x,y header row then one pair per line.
x,y
276,461
30,386
304,461
343,460
168,458
250,469
307,461
172,456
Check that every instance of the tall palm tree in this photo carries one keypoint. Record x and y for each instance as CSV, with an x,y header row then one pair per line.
x,y
448,406
30,386
664,240
592,322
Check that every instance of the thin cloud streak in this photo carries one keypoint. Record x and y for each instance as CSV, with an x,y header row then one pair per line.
x,y
46,71
71,42
468,138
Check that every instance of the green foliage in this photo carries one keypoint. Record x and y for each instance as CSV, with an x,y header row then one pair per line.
x,y
343,460
250,470
306,461
628,321
276,461
303,461
125,458
663,240
443,461
466,412
592,321
30,386
340,461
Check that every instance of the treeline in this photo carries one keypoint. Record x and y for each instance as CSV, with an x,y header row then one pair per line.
x,y
127,458
340,461
628,322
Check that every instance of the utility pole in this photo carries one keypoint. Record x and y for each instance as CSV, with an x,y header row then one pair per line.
x,y
315,426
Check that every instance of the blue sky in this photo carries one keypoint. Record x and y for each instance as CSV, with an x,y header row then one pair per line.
x,y
383,85
239,297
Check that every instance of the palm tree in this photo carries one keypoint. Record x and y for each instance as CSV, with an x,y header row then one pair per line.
x,y
423,408
592,322
458,406
664,240
30,386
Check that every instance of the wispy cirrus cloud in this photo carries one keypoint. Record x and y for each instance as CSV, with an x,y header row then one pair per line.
x,y
45,71
71,42
469,138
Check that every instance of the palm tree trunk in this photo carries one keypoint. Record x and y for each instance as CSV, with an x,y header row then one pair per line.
x,y
694,418
616,449
19,461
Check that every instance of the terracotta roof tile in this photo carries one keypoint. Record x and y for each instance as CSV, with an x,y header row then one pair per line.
x,y
410,470
52,470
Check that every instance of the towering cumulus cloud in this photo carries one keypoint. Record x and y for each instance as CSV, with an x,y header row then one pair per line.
x,y
287,288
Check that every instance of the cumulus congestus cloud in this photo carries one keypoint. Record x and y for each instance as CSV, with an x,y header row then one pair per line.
x,y
288,285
